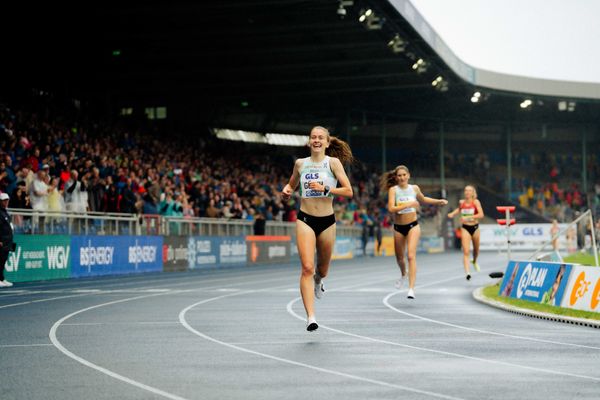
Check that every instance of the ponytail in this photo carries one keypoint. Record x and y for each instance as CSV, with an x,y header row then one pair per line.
x,y
388,179
339,149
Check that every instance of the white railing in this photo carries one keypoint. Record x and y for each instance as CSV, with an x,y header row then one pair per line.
x,y
221,227
93,223
71,223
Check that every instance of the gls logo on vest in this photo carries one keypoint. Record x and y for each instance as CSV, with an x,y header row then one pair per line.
x,y
532,276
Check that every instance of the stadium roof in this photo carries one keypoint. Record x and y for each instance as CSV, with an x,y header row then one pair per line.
x,y
266,60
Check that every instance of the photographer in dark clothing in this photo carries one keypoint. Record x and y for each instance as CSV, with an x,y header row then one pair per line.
x,y
6,238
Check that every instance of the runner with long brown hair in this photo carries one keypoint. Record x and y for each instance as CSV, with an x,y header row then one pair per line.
x,y
403,200
318,177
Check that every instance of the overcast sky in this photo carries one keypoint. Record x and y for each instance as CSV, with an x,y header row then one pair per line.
x,y
550,39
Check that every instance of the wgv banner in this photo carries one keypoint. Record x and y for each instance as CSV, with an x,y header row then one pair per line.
x,y
111,255
39,258
522,237
541,282
583,289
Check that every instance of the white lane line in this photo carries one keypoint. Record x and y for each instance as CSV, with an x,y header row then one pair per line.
x,y
386,302
122,323
42,300
168,281
106,371
100,292
446,353
297,363
56,343
25,345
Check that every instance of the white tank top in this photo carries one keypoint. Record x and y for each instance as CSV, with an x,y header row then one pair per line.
x,y
405,195
320,172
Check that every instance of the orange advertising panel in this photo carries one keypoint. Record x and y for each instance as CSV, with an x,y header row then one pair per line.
x,y
583,289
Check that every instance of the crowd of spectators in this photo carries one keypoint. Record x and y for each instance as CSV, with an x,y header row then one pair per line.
x,y
48,163
52,163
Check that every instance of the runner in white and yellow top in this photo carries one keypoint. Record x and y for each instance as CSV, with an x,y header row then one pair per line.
x,y
403,200
318,176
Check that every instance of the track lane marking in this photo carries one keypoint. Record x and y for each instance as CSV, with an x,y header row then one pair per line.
x,y
429,350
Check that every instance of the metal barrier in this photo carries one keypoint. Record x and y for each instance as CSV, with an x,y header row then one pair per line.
x,y
71,223
221,227
93,223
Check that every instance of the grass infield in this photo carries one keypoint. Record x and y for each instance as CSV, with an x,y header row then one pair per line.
x,y
491,292
581,258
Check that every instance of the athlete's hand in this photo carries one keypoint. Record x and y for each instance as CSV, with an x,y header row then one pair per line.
x,y
314,185
286,193
442,202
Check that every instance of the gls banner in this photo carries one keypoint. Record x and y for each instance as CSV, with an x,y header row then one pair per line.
x,y
522,236
583,289
109,255
39,258
541,282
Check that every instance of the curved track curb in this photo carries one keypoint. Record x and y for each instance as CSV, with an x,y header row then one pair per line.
x,y
478,295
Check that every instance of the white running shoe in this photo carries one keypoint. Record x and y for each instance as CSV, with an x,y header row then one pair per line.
x,y
411,294
400,283
5,283
319,289
311,324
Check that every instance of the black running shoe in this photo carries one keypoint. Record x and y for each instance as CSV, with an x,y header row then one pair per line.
x,y
311,324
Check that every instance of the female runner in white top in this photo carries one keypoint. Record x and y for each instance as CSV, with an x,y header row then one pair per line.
x,y
403,200
318,176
